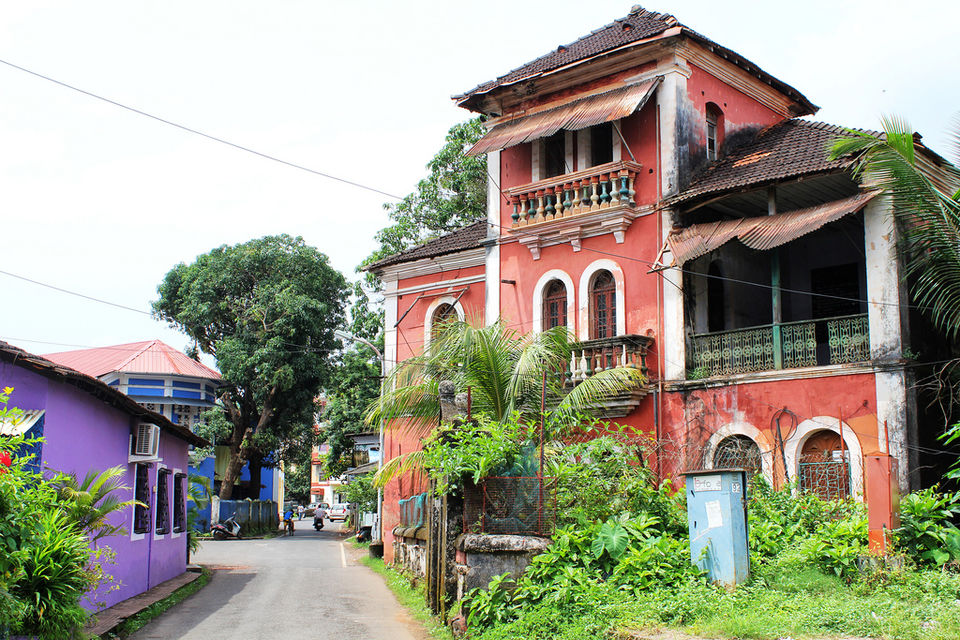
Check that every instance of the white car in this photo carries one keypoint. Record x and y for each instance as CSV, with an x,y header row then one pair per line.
x,y
338,512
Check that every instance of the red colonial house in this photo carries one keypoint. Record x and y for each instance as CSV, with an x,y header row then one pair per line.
x,y
659,195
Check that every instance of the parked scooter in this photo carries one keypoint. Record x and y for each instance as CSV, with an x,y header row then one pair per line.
x,y
225,530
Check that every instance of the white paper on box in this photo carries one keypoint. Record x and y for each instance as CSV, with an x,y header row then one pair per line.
x,y
714,514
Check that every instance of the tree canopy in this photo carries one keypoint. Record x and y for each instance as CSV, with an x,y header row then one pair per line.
x,y
266,310
451,197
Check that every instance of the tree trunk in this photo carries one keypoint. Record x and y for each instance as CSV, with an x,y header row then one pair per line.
x,y
238,456
256,464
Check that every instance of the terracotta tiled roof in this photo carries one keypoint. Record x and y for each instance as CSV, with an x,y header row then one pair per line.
x,y
89,384
639,24
468,237
786,150
151,356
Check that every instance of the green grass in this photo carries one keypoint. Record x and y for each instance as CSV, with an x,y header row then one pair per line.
x,y
135,623
412,598
782,601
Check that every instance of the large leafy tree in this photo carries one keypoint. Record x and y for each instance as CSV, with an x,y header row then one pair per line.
x,y
355,386
506,373
452,196
266,310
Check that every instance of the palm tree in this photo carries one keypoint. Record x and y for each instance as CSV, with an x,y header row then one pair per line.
x,y
88,504
927,211
505,374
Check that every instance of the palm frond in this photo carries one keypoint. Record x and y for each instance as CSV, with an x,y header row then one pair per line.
x,y
398,466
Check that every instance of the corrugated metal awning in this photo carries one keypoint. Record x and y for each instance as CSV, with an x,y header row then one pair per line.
x,y
578,114
762,232
19,425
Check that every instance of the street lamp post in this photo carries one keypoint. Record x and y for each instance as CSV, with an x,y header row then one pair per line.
x,y
378,529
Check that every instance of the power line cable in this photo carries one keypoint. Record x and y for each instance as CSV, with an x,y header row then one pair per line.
x,y
198,132
75,293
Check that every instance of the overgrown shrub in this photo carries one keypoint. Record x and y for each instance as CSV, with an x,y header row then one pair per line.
x,y
926,533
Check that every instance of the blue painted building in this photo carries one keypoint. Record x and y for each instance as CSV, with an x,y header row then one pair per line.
x,y
167,381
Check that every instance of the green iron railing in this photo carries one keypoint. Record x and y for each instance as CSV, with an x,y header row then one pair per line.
x,y
787,345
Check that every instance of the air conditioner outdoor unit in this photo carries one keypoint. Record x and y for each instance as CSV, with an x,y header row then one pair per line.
x,y
147,440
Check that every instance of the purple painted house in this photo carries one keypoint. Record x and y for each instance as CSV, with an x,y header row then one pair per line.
x,y
86,425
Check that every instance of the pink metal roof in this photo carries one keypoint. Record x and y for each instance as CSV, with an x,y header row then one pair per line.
x,y
152,356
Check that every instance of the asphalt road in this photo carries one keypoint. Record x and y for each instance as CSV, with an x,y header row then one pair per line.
x,y
309,585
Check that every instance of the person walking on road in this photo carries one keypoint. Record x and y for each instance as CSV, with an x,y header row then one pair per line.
x,y
300,511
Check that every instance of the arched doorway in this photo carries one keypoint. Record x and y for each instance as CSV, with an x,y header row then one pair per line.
x,y
823,466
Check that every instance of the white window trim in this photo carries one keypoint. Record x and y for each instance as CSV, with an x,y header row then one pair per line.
x,y
541,286
583,330
807,428
186,485
742,429
156,503
133,510
428,318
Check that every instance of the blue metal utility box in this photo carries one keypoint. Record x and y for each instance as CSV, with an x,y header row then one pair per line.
x,y
717,513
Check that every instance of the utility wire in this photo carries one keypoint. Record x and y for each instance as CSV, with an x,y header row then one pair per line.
x,y
74,293
200,133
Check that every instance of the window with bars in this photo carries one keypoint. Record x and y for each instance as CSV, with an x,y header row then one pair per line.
x,y
603,306
555,305
163,502
141,513
179,503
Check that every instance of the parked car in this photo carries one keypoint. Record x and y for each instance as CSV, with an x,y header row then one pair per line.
x,y
312,508
338,512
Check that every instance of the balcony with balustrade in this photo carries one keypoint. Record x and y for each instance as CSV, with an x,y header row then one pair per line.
x,y
787,345
572,206
592,356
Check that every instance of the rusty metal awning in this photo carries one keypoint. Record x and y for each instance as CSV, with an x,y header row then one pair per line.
x,y
762,232
578,114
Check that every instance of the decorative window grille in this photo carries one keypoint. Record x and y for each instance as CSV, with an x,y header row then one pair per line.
x,y
555,305
603,303
141,513
737,452
179,503
163,502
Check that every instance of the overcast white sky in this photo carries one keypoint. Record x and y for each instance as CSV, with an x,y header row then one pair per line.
x,y
102,201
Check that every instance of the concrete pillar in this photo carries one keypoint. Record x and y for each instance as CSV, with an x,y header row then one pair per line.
x,y
494,201
887,328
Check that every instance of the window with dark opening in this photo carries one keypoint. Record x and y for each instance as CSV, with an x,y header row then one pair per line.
x,y
714,129
738,452
601,144
179,503
141,513
836,291
163,502
555,305
716,299
603,306
555,155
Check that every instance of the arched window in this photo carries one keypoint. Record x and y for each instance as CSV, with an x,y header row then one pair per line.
x,y
555,305
442,315
738,452
603,306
